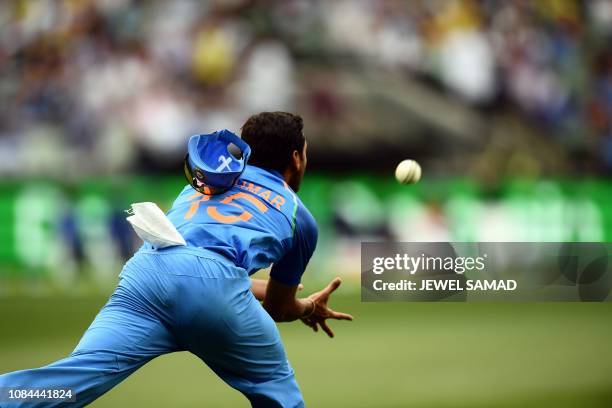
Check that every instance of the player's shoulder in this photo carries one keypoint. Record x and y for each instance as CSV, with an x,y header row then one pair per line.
x,y
304,216
257,180
305,223
299,213
186,193
261,176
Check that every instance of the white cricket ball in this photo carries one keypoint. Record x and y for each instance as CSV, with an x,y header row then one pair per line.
x,y
408,172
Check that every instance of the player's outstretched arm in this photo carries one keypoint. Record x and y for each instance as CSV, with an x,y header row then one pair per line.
x,y
280,302
259,286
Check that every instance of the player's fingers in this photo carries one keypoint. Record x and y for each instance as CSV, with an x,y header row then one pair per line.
x,y
313,326
340,316
327,329
300,287
333,285
310,323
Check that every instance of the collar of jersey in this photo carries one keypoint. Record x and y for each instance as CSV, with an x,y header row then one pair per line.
x,y
271,171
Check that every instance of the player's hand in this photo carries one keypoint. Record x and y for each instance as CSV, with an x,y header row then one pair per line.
x,y
322,311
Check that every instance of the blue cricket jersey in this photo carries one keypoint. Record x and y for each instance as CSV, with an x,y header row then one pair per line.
x,y
258,222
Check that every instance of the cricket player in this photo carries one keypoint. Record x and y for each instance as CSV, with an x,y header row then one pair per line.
x,y
235,219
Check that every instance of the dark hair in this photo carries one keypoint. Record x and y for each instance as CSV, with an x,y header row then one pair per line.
x,y
273,136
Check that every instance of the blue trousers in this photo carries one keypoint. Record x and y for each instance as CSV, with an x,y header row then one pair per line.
x,y
171,300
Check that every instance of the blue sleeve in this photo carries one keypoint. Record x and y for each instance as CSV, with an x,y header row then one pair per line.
x,y
289,269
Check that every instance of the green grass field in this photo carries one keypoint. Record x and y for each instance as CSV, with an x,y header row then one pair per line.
x,y
392,355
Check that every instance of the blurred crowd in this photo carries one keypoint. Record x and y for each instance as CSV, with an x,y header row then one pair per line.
x,y
113,85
